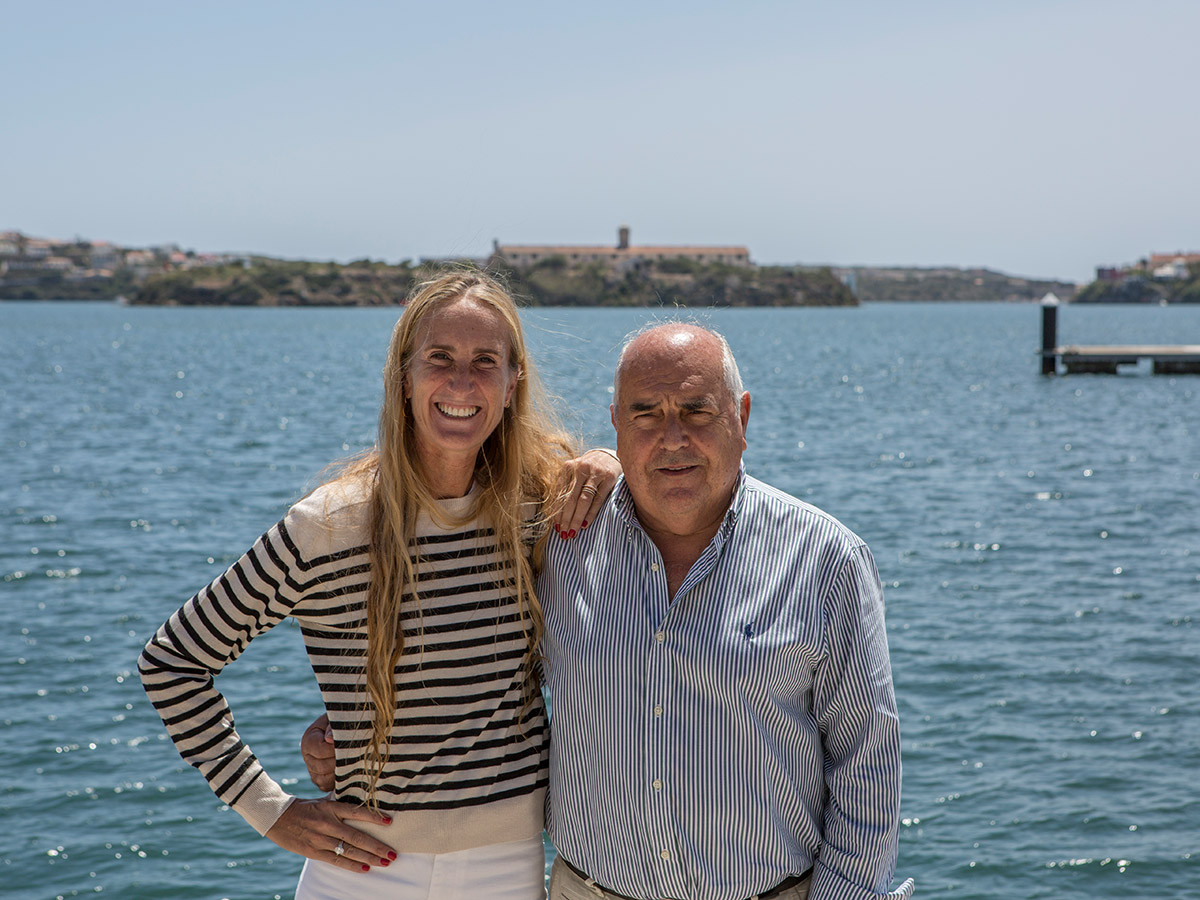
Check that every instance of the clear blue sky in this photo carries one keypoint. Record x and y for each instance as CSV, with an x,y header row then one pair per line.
x,y
1040,138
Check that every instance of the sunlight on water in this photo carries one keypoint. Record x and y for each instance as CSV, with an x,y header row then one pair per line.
x,y
1037,539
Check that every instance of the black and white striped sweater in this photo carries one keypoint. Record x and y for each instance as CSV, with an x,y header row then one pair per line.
x,y
467,766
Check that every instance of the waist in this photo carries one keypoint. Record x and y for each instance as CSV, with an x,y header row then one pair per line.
x,y
461,827
790,882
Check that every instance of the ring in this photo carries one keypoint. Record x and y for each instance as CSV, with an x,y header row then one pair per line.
x,y
340,848
588,490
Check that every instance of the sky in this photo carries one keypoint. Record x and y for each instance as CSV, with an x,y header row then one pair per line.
x,y
1037,138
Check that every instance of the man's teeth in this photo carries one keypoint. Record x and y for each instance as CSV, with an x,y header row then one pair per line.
x,y
458,412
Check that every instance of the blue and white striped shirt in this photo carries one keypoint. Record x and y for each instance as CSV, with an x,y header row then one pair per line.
x,y
711,746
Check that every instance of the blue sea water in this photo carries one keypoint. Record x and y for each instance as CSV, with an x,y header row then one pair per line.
x,y
1038,539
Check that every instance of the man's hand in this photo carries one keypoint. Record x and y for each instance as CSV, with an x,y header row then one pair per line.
x,y
317,829
316,746
585,484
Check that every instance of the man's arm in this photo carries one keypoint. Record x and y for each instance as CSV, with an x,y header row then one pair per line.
x,y
316,746
860,733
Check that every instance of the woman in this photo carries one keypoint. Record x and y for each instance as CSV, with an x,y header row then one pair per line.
x,y
411,578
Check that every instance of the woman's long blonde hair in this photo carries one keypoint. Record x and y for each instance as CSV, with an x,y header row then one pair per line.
x,y
516,471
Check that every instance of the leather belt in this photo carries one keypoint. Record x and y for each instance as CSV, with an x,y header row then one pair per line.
x,y
790,882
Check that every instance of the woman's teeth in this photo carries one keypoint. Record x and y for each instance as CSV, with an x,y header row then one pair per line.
x,y
457,412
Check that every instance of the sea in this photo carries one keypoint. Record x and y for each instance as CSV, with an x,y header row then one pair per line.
x,y
1038,538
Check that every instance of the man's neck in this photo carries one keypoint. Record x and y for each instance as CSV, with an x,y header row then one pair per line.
x,y
680,551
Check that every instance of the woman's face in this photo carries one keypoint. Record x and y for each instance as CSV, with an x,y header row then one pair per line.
x,y
458,381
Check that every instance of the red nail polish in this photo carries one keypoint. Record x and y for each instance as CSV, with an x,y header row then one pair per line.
x,y
391,854
584,525
387,820
571,533
366,868
385,862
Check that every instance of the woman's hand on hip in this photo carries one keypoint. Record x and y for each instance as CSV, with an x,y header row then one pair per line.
x,y
585,484
318,828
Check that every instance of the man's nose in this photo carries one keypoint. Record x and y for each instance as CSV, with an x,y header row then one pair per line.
x,y
674,435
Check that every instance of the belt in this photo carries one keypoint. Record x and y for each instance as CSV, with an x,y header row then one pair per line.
x,y
790,882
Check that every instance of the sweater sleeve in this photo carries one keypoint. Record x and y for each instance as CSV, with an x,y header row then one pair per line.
x,y
208,632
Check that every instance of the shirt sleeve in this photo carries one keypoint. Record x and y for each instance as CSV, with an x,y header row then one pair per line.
x,y
207,633
860,733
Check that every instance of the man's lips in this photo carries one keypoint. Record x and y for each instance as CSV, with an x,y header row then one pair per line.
x,y
683,468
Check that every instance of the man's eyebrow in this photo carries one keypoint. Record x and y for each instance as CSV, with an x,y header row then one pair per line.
x,y
642,406
696,404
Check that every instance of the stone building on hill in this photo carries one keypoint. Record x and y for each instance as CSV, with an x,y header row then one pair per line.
x,y
622,257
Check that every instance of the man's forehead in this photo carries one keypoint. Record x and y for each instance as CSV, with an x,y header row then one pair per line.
x,y
680,384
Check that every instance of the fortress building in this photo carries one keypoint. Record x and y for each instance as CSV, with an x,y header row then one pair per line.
x,y
622,257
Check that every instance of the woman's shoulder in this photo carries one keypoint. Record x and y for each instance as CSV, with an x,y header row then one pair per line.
x,y
334,517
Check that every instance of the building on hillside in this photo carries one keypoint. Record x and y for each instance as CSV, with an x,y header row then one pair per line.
x,y
621,257
104,255
1171,265
36,248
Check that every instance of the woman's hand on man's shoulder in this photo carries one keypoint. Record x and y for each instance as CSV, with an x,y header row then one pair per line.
x,y
584,485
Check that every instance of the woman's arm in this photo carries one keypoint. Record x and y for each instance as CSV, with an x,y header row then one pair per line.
x,y
585,483
178,667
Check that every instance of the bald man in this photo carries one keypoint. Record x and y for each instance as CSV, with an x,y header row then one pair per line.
x,y
723,721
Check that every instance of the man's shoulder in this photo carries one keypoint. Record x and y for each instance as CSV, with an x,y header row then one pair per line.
x,y
769,508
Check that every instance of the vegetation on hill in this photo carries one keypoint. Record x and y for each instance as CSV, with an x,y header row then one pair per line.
x,y
1140,287
56,286
679,281
551,282
873,284
277,282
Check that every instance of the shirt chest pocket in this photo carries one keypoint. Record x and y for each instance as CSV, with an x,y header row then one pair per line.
x,y
771,661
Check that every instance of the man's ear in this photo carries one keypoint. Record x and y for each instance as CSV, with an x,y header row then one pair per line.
x,y
744,415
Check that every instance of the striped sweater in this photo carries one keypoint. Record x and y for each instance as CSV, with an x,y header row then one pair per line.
x,y
466,764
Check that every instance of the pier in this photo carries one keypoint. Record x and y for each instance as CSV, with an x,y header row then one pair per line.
x,y
1103,359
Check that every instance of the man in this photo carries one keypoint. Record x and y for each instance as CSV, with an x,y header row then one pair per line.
x,y
723,722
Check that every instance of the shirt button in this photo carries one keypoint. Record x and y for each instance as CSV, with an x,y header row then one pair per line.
x,y
660,636
657,784
665,854
658,710
653,567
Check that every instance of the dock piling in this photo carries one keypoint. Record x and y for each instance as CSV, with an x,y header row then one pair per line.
x,y
1049,334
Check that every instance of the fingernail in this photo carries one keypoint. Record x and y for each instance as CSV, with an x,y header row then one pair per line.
x,y
571,533
387,820
584,525
366,868
391,854
385,862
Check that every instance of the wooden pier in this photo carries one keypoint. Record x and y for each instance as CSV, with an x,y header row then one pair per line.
x,y
1103,359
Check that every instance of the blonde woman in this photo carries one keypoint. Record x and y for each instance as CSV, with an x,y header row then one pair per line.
x,y
411,576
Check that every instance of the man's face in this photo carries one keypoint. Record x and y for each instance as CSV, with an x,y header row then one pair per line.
x,y
680,432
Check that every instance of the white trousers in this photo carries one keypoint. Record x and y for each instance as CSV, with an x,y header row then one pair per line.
x,y
510,871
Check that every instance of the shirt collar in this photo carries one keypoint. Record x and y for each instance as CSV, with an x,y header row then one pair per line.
x,y
624,509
